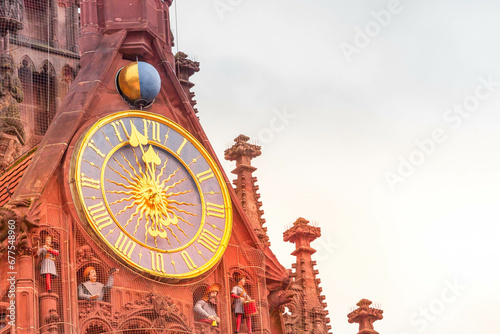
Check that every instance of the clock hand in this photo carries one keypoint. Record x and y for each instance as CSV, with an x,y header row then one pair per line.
x,y
150,157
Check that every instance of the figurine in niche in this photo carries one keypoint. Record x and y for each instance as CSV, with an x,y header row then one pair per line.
x,y
48,266
91,289
206,308
244,306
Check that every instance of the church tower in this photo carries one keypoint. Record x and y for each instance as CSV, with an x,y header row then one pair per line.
x,y
125,221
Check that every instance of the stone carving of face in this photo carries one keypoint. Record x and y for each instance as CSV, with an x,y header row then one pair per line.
x,y
242,281
48,241
93,276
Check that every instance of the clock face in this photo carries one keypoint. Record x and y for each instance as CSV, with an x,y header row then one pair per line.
x,y
153,194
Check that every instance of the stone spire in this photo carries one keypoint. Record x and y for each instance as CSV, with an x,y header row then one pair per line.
x,y
246,189
185,68
310,306
365,316
147,26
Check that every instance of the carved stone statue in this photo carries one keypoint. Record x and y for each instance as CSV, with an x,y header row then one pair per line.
x,y
12,14
11,18
92,290
26,214
11,94
205,309
47,257
10,149
240,297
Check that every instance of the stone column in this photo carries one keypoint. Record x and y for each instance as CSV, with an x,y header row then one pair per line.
x,y
26,298
49,318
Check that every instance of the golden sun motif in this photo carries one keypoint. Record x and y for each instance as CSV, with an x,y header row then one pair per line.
x,y
153,198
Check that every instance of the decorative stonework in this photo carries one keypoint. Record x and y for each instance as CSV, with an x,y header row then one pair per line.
x,y
242,152
185,69
302,231
154,311
51,322
11,94
365,316
246,189
308,310
26,214
10,149
84,254
11,20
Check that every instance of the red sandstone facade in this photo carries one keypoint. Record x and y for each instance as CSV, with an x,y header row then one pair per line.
x,y
36,194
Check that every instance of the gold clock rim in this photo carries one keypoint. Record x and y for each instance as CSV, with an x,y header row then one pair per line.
x,y
75,168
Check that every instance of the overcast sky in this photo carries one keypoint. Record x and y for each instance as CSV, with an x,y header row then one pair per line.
x,y
379,121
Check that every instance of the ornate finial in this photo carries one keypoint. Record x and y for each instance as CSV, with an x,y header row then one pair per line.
x,y
301,229
246,188
185,68
365,316
242,151
182,62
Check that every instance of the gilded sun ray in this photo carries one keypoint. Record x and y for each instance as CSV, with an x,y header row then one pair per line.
x,y
176,183
175,236
180,203
170,177
130,165
126,170
161,171
136,212
181,210
126,208
179,193
121,175
122,200
181,230
139,220
120,184
138,164
131,192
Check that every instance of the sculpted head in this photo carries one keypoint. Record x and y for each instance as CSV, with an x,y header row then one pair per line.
x,y
90,274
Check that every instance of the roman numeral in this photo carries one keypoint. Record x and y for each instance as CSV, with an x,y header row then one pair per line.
x,y
91,144
179,150
209,240
188,260
100,215
91,183
157,263
215,210
155,130
125,245
205,175
116,127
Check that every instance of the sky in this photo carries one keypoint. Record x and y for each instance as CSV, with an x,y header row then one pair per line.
x,y
378,121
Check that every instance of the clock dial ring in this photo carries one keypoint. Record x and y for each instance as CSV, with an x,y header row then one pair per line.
x,y
214,222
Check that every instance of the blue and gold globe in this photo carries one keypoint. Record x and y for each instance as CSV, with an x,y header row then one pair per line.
x,y
138,83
